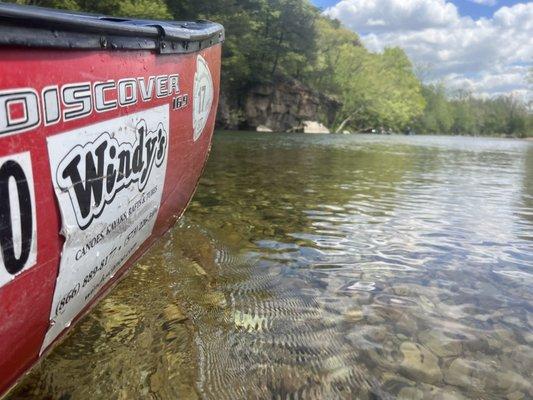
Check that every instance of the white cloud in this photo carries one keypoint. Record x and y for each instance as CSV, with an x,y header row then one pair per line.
x,y
485,2
483,54
393,15
492,82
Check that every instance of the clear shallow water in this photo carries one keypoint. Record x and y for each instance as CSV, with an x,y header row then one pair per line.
x,y
325,267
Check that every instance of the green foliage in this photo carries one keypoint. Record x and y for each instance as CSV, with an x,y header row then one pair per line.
x,y
331,38
377,90
152,9
437,116
143,9
63,4
464,114
264,37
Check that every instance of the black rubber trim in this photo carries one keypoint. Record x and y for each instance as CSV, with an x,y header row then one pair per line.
x,y
30,26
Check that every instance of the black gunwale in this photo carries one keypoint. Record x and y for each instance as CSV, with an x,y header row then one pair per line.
x,y
30,26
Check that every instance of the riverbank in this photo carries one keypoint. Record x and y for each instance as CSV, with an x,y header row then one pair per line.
x,y
285,104
314,127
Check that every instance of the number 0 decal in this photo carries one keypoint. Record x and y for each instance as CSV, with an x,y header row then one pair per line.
x,y
18,225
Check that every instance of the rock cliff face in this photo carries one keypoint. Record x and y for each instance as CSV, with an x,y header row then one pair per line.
x,y
281,106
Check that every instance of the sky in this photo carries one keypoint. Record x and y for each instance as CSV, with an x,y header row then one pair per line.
x,y
484,46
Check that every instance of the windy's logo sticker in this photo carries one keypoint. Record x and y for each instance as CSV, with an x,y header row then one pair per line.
x,y
94,173
108,179
202,96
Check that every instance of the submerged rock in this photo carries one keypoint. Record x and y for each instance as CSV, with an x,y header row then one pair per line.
x,y
407,324
477,375
523,355
509,381
172,313
528,337
354,314
215,299
440,344
419,363
198,269
516,396
410,393
447,395
461,373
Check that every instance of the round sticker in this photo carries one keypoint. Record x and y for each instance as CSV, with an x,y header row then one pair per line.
x,y
203,96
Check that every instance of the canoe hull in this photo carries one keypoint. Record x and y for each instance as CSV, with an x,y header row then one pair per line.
x,y
100,153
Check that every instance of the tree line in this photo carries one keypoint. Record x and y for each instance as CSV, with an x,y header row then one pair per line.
x,y
266,39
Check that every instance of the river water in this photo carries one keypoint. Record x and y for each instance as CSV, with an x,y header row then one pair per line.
x,y
325,267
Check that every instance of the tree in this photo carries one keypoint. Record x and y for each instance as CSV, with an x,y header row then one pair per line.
x,y
377,90
330,39
438,115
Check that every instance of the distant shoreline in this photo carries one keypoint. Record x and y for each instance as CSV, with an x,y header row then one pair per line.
x,y
219,129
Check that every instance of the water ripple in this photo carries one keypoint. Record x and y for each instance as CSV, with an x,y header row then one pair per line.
x,y
326,267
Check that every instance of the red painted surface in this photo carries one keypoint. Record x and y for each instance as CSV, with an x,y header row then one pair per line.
x,y
25,302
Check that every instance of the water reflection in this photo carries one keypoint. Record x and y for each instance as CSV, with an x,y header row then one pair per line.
x,y
525,206
325,267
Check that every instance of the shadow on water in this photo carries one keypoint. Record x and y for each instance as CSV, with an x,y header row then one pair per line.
x,y
324,267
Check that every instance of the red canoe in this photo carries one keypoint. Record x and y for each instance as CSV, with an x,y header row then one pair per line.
x,y
105,127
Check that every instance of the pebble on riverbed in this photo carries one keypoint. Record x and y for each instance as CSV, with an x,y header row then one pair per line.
x,y
410,393
461,373
215,299
173,313
476,376
354,315
419,363
440,344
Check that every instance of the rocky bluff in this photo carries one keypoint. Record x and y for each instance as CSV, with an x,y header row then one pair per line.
x,y
283,105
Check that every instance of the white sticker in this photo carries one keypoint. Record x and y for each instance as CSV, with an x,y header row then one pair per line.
x,y
203,96
108,179
18,222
